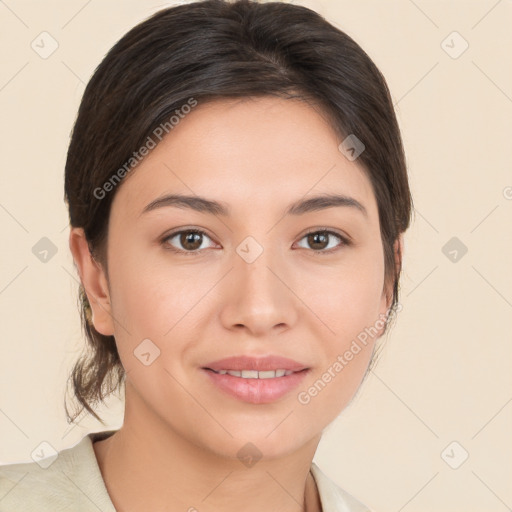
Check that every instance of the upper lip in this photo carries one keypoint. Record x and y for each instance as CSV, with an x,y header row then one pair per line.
x,y
271,362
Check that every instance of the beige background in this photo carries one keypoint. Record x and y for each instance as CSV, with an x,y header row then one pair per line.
x,y
444,373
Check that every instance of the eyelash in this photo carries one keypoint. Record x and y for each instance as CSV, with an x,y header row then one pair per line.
x,y
344,241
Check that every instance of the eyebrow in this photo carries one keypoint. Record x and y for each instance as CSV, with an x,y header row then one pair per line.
x,y
300,207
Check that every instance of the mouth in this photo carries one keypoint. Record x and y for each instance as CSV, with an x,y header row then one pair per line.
x,y
255,374
247,363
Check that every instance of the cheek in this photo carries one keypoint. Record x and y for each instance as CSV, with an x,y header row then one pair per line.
x,y
154,299
348,297
145,297
349,309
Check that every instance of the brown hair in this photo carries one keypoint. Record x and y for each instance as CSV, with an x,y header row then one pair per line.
x,y
209,50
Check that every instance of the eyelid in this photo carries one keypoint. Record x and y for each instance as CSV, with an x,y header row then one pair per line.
x,y
323,229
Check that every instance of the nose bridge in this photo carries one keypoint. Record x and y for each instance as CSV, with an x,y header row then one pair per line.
x,y
253,269
260,300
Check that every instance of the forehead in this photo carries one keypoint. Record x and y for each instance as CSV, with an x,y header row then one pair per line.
x,y
257,153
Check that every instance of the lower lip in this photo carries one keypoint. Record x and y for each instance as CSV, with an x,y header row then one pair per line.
x,y
257,391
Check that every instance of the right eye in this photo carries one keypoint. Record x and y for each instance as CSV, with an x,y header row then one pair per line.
x,y
190,241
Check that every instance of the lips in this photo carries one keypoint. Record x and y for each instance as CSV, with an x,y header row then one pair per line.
x,y
256,391
272,362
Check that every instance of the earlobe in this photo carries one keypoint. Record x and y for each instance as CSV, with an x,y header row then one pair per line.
x,y
399,249
387,293
398,252
94,281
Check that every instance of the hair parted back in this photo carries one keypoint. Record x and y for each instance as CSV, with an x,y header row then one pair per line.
x,y
210,50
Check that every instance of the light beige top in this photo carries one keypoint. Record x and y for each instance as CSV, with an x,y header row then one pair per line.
x,y
73,482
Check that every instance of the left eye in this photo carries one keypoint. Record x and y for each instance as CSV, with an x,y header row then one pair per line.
x,y
319,240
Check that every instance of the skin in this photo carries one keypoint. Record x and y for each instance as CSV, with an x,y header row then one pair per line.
x,y
178,444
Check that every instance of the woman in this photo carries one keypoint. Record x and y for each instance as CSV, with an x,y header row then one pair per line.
x,y
238,194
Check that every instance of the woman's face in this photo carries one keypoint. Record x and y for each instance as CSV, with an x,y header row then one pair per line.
x,y
255,283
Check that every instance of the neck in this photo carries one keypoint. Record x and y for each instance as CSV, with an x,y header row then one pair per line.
x,y
147,465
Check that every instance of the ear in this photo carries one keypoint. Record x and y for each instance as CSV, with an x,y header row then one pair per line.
x,y
94,281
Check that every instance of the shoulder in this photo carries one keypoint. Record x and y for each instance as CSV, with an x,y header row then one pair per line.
x,y
333,497
69,480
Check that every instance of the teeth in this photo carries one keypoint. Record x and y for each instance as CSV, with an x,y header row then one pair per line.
x,y
254,374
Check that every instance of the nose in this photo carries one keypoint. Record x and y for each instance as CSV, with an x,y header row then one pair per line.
x,y
259,296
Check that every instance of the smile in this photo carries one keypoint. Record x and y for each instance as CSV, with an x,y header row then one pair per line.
x,y
254,374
